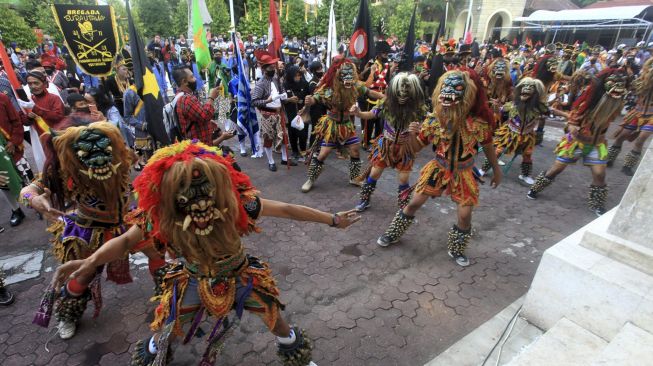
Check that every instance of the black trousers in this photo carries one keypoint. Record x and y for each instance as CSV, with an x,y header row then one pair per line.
x,y
297,139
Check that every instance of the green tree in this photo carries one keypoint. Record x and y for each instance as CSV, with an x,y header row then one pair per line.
x,y
153,17
219,11
250,23
14,29
399,20
180,18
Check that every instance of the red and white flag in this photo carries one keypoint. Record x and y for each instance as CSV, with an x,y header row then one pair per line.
x,y
275,39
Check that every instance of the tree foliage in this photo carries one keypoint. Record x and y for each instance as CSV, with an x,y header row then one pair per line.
x,y
219,11
153,17
179,21
14,29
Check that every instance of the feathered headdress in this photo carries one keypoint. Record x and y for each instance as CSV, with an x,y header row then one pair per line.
x,y
146,185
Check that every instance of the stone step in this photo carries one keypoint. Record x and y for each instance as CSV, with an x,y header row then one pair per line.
x,y
475,347
566,343
632,346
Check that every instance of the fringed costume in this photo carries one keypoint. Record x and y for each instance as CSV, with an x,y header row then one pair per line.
x,y
451,173
546,71
338,90
459,124
499,86
637,124
404,103
517,135
588,123
94,167
211,205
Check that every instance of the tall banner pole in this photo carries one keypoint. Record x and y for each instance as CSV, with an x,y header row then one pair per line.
x,y
468,23
231,13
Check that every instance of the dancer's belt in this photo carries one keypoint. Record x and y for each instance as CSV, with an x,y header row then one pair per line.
x,y
224,268
268,110
335,117
460,165
88,223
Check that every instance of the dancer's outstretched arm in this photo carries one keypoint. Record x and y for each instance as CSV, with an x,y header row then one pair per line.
x,y
285,210
112,250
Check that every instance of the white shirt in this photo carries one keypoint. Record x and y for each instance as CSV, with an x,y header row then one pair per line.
x,y
274,93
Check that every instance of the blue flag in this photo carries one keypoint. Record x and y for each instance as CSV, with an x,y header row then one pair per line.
x,y
246,112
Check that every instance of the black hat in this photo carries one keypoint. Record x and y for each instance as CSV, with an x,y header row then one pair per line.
x,y
74,98
382,47
495,52
465,49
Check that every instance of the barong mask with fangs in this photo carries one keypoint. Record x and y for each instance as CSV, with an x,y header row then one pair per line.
x,y
197,206
615,85
499,69
552,64
405,91
527,90
93,149
346,74
453,90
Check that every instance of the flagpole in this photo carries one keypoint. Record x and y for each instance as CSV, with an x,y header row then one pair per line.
x,y
469,19
231,13
446,12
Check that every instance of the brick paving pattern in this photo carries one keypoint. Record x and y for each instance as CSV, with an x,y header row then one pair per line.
x,y
360,303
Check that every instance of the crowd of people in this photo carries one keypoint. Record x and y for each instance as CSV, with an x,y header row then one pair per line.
x,y
89,135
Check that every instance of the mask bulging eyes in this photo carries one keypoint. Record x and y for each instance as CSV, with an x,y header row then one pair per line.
x,y
182,200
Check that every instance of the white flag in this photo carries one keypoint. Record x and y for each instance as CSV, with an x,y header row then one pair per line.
x,y
332,39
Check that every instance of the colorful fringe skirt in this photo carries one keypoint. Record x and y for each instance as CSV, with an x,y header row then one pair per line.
x,y
333,133
389,154
508,142
435,179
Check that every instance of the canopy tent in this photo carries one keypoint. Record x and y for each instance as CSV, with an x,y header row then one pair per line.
x,y
584,15
589,23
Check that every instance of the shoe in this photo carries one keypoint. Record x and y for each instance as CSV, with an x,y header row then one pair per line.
x,y
501,162
301,159
244,153
17,217
307,186
599,211
460,259
354,182
531,194
628,171
2,229
272,167
289,162
138,167
362,206
6,297
385,240
66,329
481,173
526,179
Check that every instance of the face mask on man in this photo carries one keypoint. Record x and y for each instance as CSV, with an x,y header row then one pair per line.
x,y
49,71
192,85
84,110
218,59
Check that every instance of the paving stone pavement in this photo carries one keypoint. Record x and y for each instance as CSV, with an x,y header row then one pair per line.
x,y
361,304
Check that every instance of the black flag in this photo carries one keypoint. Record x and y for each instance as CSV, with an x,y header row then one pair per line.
x,y
408,57
361,44
437,63
148,88
90,34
